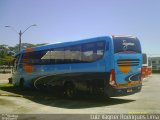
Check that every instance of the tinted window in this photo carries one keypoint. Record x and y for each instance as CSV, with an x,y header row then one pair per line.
x,y
41,57
87,52
68,55
58,55
73,54
38,57
76,56
99,52
125,44
93,51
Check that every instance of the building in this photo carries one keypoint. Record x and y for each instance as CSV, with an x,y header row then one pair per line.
x,y
155,61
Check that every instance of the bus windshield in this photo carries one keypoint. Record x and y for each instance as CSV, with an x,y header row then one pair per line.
x,y
126,44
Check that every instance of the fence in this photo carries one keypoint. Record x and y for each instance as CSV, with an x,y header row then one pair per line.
x,y
6,69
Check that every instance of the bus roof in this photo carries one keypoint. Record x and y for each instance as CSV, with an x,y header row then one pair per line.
x,y
69,43
63,44
119,36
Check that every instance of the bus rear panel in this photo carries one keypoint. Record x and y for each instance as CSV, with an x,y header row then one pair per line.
x,y
125,78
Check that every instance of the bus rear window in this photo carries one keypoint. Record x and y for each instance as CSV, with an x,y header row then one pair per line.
x,y
126,44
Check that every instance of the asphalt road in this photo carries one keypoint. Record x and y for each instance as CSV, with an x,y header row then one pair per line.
x,y
15,101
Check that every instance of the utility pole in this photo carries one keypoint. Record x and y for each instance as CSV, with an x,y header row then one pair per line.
x,y
20,34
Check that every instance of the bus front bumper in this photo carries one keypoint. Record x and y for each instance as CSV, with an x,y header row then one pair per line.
x,y
115,92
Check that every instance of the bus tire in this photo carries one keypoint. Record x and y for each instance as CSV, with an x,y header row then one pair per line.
x,y
69,90
21,84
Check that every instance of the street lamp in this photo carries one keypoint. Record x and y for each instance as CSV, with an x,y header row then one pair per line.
x,y
20,33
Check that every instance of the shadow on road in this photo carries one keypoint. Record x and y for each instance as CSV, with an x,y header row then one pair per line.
x,y
50,99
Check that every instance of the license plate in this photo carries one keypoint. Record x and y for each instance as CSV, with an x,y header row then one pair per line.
x,y
129,90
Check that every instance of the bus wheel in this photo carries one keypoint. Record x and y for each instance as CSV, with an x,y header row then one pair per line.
x,y
21,84
69,91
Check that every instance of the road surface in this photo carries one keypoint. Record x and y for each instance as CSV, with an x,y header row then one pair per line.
x,y
15,101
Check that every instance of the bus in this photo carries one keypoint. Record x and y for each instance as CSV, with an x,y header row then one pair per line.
x,y
149,67
146,66
107,65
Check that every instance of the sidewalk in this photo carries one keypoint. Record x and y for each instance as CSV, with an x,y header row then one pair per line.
x,y
4,77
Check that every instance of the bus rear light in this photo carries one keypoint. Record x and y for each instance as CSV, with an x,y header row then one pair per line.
x,y
112,81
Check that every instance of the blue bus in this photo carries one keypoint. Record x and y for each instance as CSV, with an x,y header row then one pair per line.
x,y
107,65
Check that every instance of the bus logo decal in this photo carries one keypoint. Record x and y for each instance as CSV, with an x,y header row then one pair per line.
x,y
125,44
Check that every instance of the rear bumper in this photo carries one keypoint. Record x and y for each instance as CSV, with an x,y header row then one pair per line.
x,y
115,92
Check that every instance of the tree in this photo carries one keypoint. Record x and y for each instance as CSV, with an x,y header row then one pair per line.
x,y
7,53
3,50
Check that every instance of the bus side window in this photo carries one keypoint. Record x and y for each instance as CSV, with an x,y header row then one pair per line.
x,y
67,55
34,58
72,54
59,55
88,52
76,54
100,47
52,56
42,57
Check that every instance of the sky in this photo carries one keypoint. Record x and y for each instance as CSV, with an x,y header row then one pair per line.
x,y
70,20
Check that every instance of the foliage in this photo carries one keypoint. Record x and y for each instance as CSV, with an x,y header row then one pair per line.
x,y
7,53
155,71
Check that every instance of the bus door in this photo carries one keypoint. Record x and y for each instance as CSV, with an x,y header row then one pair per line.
x,y
16,63
17,69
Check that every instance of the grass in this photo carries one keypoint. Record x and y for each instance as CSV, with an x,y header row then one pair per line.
x,y
5,85
155,71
